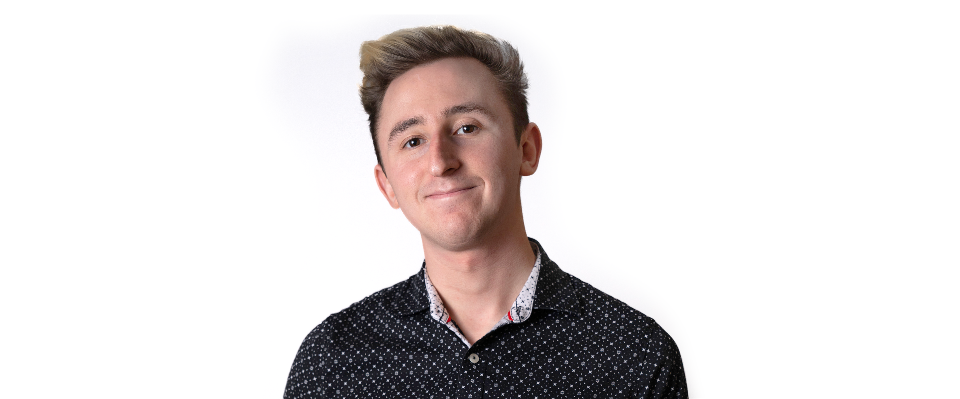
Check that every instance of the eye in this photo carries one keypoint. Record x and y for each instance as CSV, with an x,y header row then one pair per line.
x,y
467,129
414,142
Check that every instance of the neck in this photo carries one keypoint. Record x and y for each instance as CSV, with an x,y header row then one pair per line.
x,y
479,285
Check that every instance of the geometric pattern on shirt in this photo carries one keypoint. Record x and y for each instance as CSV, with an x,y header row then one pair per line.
x,y
518,312
579,342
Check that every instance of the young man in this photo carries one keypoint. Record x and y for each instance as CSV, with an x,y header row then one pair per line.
x,y
489,314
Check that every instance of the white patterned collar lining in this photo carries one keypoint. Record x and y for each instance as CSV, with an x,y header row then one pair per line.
x,y
518,313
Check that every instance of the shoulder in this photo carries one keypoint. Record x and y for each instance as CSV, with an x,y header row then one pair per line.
x,y
636,338
377,308
619,321
323,350
343,329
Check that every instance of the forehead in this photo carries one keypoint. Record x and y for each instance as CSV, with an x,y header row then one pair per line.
x,y
428,89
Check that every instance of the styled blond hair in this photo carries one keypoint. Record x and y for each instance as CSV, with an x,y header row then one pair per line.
x,y
384,59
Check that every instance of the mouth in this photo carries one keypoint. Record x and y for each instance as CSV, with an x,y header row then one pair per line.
x,y
450,193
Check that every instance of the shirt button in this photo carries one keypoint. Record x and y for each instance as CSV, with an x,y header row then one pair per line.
x,y
474,358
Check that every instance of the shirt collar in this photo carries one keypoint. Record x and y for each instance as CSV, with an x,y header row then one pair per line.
x,y
556,289
553,289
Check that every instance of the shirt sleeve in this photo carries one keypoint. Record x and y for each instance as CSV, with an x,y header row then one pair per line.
x,y
664,368
305,377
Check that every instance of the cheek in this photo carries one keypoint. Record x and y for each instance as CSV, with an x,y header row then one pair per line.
x,y
503,171
508,160
406,186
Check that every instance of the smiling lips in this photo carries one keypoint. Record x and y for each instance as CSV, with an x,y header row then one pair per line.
x,y
441,194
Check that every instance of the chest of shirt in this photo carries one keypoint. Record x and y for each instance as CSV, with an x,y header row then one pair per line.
x,y
550,355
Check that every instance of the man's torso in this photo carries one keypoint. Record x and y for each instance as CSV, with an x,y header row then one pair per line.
x,y
577,342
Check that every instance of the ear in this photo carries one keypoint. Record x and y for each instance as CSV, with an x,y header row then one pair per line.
x,y
530,145
385,188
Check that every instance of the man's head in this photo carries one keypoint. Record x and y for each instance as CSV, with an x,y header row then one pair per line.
x,y
385,59
445,127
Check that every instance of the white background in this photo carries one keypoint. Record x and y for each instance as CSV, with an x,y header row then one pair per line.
x,y
186,189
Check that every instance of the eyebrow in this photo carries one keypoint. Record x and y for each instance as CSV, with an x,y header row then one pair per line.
x,y
403,125
465,108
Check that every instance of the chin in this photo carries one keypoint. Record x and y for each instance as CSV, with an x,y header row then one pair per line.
x,y
456,236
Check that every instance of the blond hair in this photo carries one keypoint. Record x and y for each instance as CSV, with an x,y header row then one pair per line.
x,y
384,59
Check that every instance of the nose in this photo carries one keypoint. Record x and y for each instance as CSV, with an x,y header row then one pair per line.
x,y
443,156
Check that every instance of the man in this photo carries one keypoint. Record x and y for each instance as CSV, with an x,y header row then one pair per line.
x,y
489,314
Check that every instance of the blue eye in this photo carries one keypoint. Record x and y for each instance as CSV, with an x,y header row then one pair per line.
x,y
467,129
414,142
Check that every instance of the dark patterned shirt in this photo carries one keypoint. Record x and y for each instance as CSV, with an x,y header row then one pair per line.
x,y
576,342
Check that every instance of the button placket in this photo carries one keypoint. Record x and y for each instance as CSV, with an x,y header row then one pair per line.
x,y
473,374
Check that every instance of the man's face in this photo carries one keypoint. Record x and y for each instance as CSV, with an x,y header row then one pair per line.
x,y
450,156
